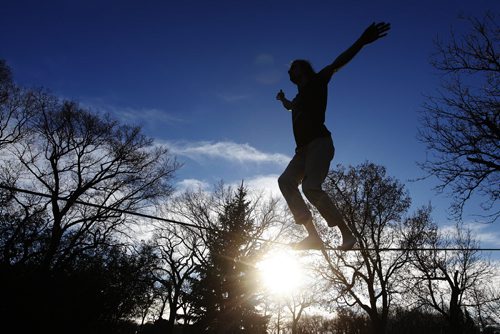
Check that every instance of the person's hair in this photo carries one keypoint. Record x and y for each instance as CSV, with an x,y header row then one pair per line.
x,y
305,65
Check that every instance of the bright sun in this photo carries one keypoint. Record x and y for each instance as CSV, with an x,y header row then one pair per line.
x,y
281,272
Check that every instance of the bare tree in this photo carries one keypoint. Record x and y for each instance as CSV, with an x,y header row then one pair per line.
x,y
23,229
449,281
461,126
287,309
298,303
485,302
177,248
74,156
373,205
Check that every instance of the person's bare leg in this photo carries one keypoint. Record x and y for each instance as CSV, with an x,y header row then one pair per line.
x,y
312,241
331,214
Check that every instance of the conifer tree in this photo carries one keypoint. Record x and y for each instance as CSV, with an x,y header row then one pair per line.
x,y
222,296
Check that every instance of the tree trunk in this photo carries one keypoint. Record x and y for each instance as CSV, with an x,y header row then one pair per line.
x,y
455,313
377,324
171,319
55,240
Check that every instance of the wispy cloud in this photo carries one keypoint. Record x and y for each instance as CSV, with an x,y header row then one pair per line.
x,y
149,116
231,98
135,116
229,151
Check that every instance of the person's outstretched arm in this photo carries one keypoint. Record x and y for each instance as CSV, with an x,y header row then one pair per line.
x,y
370,35
286,103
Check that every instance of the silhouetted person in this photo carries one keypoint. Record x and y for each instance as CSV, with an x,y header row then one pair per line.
x,y
315,149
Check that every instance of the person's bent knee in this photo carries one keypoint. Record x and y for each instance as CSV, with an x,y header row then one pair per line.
x,y
284,182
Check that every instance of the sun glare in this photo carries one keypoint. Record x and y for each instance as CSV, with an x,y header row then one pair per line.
x,y
281,272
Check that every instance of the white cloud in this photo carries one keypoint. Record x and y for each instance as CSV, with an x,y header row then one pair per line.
x,y
267,184
229,151
484,233
191,184
261,186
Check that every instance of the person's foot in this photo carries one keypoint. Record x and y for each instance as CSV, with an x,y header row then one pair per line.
x,y
311,242
347,244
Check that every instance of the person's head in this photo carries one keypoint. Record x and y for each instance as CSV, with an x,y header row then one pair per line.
x,y
300,71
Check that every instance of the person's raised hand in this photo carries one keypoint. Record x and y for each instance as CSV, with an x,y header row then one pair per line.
x,y
280,96
375,31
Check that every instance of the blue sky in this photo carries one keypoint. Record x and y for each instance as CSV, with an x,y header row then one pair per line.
x,y
202,76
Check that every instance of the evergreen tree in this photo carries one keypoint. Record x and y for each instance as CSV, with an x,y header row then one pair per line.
x,y
222,297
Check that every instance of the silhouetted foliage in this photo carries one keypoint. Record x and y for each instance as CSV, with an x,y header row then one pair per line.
x,y
95,294
461,126
348,321
414,322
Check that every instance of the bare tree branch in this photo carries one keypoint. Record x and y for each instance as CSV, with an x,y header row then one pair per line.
x,y
461,125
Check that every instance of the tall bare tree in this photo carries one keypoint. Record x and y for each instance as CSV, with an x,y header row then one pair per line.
x,y
373,205
461,125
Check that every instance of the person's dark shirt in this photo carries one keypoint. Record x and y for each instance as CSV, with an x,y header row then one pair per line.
x,y
308,111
